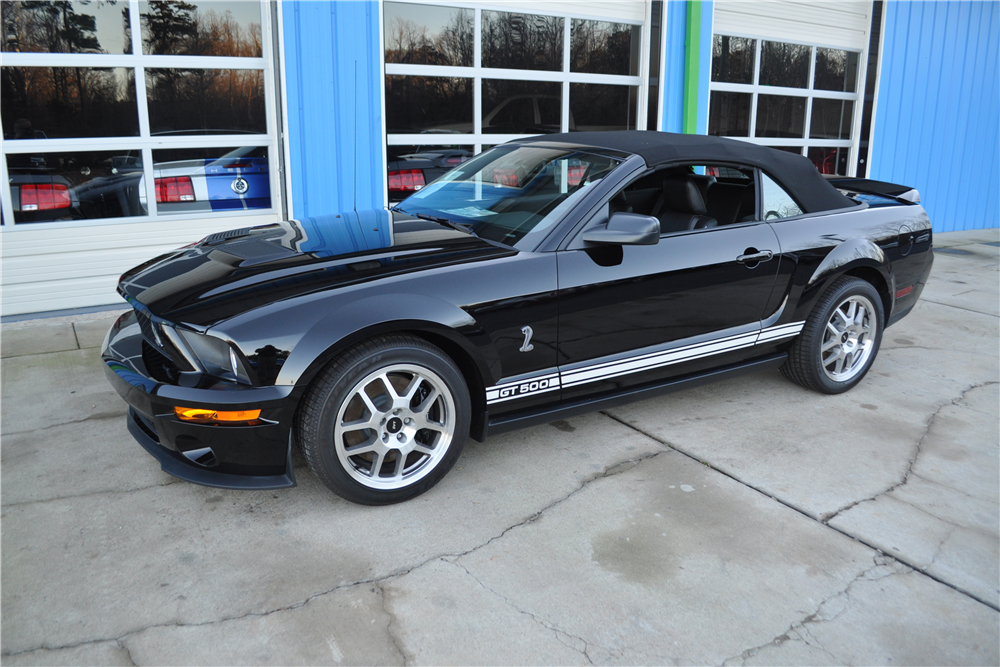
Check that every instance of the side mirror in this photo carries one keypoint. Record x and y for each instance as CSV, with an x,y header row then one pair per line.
x,y
626,229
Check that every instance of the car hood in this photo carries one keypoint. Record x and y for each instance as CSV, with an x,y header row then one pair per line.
x,y
232,272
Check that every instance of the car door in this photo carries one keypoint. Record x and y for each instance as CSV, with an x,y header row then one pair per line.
x,y
630,315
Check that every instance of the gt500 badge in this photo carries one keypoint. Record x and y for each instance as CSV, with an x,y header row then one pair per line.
x,y
521,389
240,185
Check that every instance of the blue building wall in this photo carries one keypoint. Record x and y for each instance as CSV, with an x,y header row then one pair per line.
x,y
333,80
938,112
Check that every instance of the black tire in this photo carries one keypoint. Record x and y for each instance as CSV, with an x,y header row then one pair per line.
x,y
351,420
805,358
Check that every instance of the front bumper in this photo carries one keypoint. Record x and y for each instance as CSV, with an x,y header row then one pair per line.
x,y
256,456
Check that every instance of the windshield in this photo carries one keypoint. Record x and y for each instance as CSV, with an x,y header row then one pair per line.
x,y
511,194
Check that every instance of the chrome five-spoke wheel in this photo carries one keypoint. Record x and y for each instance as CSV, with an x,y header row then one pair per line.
x,y
395,426
848,338
840,339
385,420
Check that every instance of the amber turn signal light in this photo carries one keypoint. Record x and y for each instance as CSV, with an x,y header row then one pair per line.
x,y
202,416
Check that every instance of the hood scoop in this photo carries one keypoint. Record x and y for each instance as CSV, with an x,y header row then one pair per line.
x,y
251,253
219,237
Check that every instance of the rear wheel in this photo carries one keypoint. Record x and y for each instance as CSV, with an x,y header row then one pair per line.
x,y
839,342
385,421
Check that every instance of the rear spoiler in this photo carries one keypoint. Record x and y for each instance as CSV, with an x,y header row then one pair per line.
x,y
901,192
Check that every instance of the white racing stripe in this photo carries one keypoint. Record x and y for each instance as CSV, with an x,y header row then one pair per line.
x,y
508,391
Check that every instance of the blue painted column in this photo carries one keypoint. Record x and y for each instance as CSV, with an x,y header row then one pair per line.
x,y
937,121
333,80
687,67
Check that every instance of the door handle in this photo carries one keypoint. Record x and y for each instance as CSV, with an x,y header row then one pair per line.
x,y
753,257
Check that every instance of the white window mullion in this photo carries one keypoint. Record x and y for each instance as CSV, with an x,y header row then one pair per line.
x,y
642,95
270,110
564,106
809,101
5,202
477,81
758,47
142,105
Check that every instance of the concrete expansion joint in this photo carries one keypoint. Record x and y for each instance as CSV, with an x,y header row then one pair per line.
x,y
105,492
951,305
388,627
826,518
100,416
559,633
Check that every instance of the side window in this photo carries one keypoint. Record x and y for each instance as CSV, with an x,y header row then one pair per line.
x,y
777,203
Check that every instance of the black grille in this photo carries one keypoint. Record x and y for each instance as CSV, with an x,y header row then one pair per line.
x,y
146,424
159,366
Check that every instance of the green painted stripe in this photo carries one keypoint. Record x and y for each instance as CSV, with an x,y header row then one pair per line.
x,y
693,44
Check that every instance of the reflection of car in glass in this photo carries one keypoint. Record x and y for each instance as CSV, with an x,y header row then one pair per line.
x,y
237,180
73,192
544,278
41,197
410,172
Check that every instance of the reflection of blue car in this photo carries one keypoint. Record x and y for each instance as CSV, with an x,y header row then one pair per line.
x,y
239,180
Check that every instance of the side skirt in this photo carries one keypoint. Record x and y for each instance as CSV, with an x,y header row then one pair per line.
x,y
549,413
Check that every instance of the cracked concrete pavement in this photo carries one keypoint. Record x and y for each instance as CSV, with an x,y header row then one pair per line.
x,y
742,523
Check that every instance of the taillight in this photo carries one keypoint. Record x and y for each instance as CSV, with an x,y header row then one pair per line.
x,y
174,189
505,177
44,197
239,165
575,175
455,160
408,180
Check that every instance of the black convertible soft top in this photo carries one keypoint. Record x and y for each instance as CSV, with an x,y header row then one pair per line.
x,y
794,172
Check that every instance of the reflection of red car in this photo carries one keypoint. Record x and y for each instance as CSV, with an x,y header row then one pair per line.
x,y
411,172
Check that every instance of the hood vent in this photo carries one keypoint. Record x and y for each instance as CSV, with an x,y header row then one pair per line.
x,y
219,237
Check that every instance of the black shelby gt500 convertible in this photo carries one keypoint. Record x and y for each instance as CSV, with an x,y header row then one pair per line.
x,y
544,278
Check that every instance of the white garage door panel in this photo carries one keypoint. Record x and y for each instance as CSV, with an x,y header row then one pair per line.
x,y
87,264
842,24
35,241
79,293
75,267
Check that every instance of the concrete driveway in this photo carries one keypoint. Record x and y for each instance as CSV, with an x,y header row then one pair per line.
x,y
746,522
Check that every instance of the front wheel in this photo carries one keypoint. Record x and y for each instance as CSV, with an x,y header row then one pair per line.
x,y
385,421
839,342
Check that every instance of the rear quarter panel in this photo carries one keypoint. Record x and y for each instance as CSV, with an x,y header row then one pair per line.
x,y
893,241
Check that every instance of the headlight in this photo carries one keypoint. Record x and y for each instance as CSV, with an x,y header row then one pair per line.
x,y
217,357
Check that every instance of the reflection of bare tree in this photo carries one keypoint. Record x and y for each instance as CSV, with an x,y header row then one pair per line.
x,y
601,47
70,101
522,41
175,27
408,42
50,27
784,64
211,99
732,59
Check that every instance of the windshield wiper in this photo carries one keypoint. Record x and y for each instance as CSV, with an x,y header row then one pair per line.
x,y
448,223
